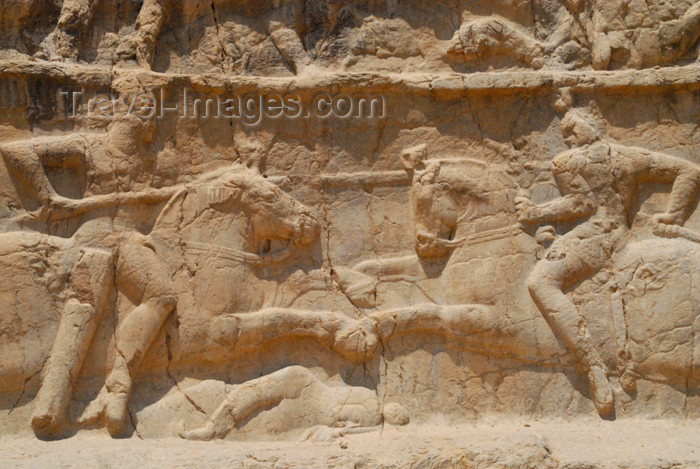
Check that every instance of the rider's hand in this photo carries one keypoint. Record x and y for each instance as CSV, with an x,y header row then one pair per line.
x,y
528,212
357,339
669,218
666,224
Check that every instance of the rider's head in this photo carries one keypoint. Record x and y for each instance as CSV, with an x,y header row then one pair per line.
x,y
581,127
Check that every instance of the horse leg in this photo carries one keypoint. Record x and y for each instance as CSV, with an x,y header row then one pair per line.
x,y
91,282
140,276
359,283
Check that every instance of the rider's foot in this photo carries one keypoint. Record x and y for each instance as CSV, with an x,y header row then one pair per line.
x,y
116,412
51,403
46,425
204,433
628,380
601,390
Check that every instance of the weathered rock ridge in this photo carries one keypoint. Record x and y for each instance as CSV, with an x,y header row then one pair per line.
x,y
319,218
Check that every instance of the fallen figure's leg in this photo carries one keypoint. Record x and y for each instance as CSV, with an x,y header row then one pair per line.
x,y
339,409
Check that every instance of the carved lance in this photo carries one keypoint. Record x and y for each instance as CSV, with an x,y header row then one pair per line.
x,y
403,178
75,207
367,179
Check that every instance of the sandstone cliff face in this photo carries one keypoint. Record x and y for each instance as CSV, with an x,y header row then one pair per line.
x,y
307,218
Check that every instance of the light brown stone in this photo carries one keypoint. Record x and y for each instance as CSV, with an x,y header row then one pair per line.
x,y
502,233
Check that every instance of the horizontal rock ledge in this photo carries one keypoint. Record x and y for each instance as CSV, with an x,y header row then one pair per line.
x,y
442,86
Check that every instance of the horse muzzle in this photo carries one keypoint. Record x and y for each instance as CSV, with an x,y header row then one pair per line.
x,y
429,245
306,231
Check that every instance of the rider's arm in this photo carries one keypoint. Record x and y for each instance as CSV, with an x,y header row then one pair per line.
x,y
27,160
663,168
568,207
686,180
577,199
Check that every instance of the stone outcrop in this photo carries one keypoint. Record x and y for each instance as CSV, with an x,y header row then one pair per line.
x,y
316,219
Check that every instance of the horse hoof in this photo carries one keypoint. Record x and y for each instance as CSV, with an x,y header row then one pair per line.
x,y
602,391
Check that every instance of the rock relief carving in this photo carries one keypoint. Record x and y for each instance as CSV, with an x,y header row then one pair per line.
x,y
597,29
331,411
563,34
295,28
445,195
640,261
136,262
192,255
228,225
227,253
598,181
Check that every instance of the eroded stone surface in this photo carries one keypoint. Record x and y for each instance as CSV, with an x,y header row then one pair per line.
x,y
503,226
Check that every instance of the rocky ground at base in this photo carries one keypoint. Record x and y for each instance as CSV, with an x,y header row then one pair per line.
x,y
582,445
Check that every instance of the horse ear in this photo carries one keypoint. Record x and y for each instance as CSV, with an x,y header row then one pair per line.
x,y
257,163
413,157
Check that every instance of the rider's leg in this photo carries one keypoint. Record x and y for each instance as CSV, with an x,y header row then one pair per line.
x,y
671,41
285,26
245,399
546,284
73,24
289,45
149,25
90,282
140,276
689,28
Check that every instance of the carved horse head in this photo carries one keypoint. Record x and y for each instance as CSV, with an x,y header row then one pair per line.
x,y
440,196
448,192
237,213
